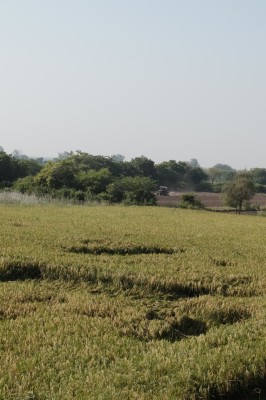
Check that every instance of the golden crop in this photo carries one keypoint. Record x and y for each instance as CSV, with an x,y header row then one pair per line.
x,y
131,303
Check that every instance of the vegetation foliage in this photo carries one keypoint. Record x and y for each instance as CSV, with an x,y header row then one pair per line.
x,y
131,303
189,200
240,189
90,176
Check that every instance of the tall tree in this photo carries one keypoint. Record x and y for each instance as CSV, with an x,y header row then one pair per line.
x,y
195,176
241,188
144,166
171,174
6,168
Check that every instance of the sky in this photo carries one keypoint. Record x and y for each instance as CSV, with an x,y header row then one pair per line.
x,y
167,79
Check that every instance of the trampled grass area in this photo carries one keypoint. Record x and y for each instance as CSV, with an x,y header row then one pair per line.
x,y
131,303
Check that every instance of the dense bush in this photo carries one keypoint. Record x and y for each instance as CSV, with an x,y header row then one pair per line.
x,y
12,169
190,201
80,176
132,190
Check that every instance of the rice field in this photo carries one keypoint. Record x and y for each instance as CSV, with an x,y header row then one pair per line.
x,y
106,302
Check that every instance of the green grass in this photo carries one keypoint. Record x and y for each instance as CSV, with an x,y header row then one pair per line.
x,y
131,303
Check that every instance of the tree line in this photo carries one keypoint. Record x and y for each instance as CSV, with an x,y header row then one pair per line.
x,y
82,176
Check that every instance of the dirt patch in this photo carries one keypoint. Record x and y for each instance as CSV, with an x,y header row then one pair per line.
x,y
211,200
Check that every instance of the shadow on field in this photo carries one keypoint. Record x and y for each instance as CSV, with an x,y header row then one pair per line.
x,y
122,250
15,271
147,329
251,392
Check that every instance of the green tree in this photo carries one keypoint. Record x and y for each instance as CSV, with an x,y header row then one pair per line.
x,y
12,168
93,181
25,185
26,167
143,166
171,174
128,169
214,174
7,169
19,155
86,162
56,175
240,189
223,172
195,178
118,157
132,190
64,155
194,163
218,175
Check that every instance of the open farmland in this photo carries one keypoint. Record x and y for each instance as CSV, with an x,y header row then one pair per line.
x,y
131,303
208,199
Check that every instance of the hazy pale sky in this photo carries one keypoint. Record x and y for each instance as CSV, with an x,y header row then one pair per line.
x,y
168,79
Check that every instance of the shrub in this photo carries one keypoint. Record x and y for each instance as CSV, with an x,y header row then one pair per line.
x,y
24,185
190,201
132,190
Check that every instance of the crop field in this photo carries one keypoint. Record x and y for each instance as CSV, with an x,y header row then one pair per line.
x,y
115,302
